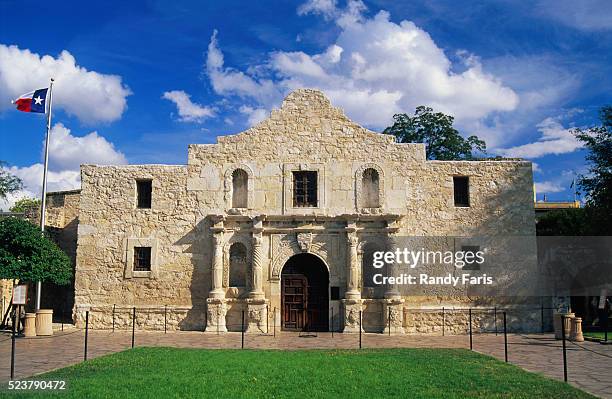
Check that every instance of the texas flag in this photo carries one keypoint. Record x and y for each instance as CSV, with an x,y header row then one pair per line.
x,y
34,101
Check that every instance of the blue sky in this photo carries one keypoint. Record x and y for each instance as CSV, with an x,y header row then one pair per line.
x,y
139,81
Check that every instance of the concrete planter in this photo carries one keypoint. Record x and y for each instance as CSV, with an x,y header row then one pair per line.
x,y
567,325
576,332
29,329
44,322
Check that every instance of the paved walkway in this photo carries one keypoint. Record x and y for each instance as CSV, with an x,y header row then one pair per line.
x,y
589,364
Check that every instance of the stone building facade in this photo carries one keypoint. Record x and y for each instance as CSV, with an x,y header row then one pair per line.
x,y
274,222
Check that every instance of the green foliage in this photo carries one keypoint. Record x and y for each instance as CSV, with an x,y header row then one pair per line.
x,y
28,255
597,184
8,182
443,142
564,222
25,204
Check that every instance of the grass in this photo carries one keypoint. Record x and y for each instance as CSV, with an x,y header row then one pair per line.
x,y
598,335
369,373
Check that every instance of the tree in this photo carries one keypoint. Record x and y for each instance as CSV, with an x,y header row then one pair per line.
x,y
597,184
442,140
25,204
29,255
8,182
564,222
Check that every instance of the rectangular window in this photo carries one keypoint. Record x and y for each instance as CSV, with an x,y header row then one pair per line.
x,y
304,189
470,260
335,293
142,259
143,193
461,186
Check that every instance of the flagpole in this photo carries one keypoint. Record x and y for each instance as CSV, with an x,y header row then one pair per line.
x,y
44,185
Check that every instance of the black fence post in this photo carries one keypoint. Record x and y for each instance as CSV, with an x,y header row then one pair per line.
x,y
133,324
267,320
13,344
389,321
63,315
542,317
443,320
606,326
495,316
217,322
165,319
86,333
242,332
360,315
505,339
114,318
332,322
470,320
274,322
564,353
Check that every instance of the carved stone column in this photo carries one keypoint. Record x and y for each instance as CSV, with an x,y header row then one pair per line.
x,y
257,268
394,316
352,304
392,291
352,312
257,305
216,308
352,282
217,290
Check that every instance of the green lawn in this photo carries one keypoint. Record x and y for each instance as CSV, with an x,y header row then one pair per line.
x,y
387,373
598,335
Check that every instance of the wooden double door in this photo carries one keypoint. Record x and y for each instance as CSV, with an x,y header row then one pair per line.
x,y
305,298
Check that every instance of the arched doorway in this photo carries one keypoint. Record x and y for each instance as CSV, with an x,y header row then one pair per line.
x,y
305,294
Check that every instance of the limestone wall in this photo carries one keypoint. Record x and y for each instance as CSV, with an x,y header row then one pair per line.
x,y
307,133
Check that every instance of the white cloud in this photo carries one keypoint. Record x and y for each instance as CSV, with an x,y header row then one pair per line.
x,y
548,187
188,111
88,95
32,181
327,8
67,151
536,168
228,81
374,69
589,15
66,154
256,115
554,139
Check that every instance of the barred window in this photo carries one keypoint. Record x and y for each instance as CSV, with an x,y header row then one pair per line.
x,y
461,188
142,259
143,193
305,189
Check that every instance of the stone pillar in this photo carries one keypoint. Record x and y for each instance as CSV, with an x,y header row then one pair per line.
x,y
352,309
256,317
216,309
394,316
352,304
352,282
217,291
257,268
392,270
